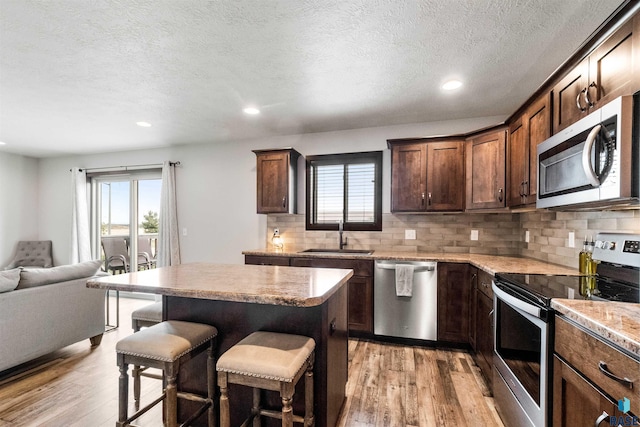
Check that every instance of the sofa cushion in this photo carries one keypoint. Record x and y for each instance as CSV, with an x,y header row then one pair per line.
x,y
32,277
9,279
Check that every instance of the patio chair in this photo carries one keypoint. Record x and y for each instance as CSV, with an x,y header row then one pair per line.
x,y
116,254
146,258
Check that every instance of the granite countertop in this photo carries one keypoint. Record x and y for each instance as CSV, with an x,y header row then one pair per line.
x,y
289,286
616,322
490,263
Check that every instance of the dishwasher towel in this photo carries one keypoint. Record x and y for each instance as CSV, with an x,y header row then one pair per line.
x,y
404,280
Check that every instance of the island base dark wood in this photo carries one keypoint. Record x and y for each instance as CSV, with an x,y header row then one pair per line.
x,y
326,324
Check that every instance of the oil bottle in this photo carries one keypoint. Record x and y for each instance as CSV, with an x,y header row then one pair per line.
x,y
587,268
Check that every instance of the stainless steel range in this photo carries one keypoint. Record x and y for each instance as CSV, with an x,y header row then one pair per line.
x,y
523,320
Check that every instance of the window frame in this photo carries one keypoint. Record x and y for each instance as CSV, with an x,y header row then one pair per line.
x,y
344,159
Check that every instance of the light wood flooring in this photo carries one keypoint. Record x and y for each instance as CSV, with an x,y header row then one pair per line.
x,y
389,385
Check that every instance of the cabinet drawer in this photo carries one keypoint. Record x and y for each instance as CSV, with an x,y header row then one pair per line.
x,y
360,267
266,260
585,353
484,283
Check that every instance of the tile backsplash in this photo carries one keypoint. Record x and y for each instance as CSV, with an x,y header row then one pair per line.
x,y
498,233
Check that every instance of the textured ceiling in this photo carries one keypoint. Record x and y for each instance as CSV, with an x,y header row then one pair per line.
x,y
75,75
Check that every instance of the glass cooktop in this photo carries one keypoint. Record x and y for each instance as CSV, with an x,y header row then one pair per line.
x,y
545,287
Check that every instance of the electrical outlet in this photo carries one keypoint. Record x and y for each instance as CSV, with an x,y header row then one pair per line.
x,y
572,240
474,234
526,236
276,231
410,234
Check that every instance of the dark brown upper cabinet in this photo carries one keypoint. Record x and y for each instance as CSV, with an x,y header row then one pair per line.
x,y
612,69
276,180
485,170
427,175
525,133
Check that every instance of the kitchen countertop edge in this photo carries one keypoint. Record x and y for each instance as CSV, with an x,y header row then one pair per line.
x,y
614,322
281,289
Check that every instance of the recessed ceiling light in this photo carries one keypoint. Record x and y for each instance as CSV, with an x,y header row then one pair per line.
x,y
2,143
251,110
144,124
452,85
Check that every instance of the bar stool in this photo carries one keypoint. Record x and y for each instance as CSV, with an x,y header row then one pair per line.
x,y
144,317
269,361
167,345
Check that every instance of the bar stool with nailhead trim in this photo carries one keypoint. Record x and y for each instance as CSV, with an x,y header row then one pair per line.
x,y
269,361
167,345
144,317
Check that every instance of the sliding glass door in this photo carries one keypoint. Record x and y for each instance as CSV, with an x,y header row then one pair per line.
x,y
125,218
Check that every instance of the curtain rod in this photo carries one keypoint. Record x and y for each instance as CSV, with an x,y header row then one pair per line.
x,y
126,168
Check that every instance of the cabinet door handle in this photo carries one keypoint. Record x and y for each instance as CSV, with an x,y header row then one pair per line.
x,y
284,202
605,370
601,418
522,189
586,94
429,199
580,107
422,201
525,189
500,194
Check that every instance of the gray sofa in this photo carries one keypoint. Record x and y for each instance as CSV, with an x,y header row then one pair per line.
x,y
50,309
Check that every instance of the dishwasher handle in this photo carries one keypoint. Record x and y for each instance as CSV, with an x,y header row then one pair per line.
x,y
416,267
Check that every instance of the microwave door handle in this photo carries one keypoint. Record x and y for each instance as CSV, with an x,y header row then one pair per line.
x,y
516,302
586,157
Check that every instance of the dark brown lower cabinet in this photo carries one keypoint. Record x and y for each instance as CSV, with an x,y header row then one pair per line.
x,y
481,321
575,401
454,288
360,299
266,260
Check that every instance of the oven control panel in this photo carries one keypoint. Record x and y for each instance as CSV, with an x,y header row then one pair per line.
x,y
618,248
631,246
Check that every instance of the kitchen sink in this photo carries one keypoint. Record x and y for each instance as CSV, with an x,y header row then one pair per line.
x,y
337,251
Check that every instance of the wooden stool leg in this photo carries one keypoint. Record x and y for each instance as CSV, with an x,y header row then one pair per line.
x,y
211,385
123,393
171,404
286,393
255,411
308,395
225,420
135,373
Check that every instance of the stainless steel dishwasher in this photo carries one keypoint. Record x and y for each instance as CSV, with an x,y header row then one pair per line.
x,y
406,317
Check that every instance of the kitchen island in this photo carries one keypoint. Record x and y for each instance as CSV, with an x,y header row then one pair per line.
x,y
240,299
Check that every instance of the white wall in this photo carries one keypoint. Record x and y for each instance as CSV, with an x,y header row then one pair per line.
x,y
216,185
19,206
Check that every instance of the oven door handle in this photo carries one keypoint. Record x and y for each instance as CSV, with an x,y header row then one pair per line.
x,y
515,302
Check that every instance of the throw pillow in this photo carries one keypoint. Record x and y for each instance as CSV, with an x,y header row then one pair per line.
x,y
9,279
32,277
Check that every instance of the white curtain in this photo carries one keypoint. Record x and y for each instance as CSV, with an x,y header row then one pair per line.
x,y
168,238
80,237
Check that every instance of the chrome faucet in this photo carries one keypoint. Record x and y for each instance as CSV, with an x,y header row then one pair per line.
x,y
342,243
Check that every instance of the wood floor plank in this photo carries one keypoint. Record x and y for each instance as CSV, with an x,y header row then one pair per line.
x,y
388,385
473,406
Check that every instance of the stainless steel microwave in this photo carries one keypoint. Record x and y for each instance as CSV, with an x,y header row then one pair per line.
x,y
595,162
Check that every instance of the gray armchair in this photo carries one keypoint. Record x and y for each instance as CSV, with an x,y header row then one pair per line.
x,y
32,253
